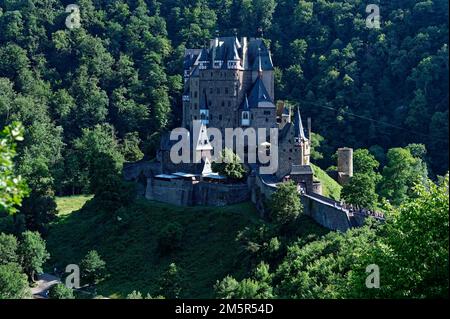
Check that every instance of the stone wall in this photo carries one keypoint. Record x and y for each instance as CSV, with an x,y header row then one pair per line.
x,y
319,208
176,192
190,193
325,213
215,194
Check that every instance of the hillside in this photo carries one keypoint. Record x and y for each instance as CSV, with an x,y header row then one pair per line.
x,y
208,250
330,188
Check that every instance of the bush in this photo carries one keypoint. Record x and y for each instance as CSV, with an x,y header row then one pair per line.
x,y
60,291
285,204
93,267
230,166
170,237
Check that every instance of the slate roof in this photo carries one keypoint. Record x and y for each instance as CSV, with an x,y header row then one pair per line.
x,y
190,57
301,170
195,73
258,94
256,48
230,49
298,125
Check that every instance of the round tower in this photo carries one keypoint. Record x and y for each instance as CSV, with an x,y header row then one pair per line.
x,y
345,164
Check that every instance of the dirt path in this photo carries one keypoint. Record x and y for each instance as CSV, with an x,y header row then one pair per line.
x,y
43,284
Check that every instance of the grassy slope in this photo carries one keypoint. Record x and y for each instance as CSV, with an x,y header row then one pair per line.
x,y
129,247
69,204
209,250
330,187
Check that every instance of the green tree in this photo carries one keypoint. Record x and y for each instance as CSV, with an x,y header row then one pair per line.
x,y
361,191
130,147
316,141
33,253
230,166
257,287
12,188
8,249
365,163
60,291
170,237
98,149
13,282
92,268
413,253
285,205
399,175
170,283
422,270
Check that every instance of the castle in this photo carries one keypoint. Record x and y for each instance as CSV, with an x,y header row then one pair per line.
x,y
229,85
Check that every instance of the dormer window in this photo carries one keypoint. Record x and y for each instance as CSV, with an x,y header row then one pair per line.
x,y
245,120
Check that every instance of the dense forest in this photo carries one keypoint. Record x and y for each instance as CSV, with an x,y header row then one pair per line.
x,y
94,97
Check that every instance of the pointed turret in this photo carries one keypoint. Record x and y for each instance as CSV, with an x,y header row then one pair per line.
x,y
260,69
298,126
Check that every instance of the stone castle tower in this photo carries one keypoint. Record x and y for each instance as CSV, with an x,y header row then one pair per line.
x,y
230,84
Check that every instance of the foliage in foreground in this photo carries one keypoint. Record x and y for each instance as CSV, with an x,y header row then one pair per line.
x,y
12,188
410,249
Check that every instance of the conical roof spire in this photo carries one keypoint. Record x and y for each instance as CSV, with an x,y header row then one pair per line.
x,y
260,69
298,125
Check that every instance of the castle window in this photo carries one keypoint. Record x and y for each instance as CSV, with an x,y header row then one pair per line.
x,y
229,103
290,150
226,90
210,90
223,103
218,90
245,121
195,105
195,117
195,94
267,120
209,103
220,117
266,112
